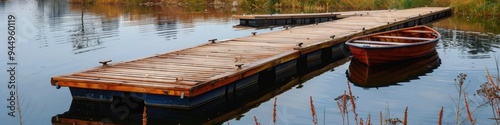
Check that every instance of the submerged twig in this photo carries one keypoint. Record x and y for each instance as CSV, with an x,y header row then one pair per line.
x,y
313,112
274,111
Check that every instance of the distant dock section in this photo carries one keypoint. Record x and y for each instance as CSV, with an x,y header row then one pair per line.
x,y
258,20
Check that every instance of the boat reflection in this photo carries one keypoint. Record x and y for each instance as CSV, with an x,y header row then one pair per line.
x,y
214,112
391,73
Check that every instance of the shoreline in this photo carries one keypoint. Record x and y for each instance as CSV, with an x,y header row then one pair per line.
x,y
473,8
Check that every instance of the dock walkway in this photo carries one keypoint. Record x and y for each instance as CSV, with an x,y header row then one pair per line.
x,y
182,79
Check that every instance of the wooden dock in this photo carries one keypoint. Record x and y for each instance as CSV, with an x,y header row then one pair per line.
x,y
259,20
215,112
193,76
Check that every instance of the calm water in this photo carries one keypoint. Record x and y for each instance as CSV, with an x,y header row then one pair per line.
x,y
56,38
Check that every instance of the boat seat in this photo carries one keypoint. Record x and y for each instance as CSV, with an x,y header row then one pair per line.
x,y
416,31
404,38
380,42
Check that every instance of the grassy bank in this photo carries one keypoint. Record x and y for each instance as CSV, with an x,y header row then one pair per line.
x,y
461,7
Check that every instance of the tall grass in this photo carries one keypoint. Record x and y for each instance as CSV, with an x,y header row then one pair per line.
x,y
110,1
490,93
461,7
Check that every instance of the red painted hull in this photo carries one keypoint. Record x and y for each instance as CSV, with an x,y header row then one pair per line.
x,y
386,55
377,49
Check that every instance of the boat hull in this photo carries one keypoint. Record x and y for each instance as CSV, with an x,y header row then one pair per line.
x,y
395,45
386,55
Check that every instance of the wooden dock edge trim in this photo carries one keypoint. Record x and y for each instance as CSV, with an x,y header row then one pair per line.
x,y
285,16
124,88
255,68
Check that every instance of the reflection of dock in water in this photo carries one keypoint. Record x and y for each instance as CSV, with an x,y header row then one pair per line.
x,y
215,112
391,73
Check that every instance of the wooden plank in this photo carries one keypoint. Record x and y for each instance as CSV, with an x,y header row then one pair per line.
x,y
416,31
402,37
146,72
171,66
137,79
170,74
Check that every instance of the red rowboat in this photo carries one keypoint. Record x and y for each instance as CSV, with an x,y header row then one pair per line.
x,y
394,45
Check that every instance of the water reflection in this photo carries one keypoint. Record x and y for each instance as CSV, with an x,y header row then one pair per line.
x,y
85,35
52,8
474,45
473,24
98,24
214,112
167,27
375,76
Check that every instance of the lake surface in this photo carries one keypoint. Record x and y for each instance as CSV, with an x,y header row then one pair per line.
x,y
55,38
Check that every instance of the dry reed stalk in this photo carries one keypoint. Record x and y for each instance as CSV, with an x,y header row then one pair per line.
x,y
361,121
440,119
352,102
405,122
256,121
467,108
381,118
490,79
341,110
313,112
498,112
344,106
492,97
144,117
274,112
461,77
369,120
344,103
488,95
